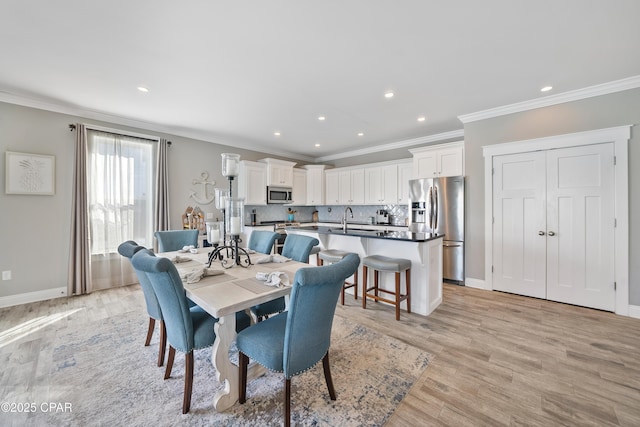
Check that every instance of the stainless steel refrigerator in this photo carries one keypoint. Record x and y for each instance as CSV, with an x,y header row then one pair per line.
x,y
437,205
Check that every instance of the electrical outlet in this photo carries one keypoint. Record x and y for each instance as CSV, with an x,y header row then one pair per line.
x,y
6,275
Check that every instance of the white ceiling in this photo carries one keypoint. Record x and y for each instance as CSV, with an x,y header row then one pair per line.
x,y
234,72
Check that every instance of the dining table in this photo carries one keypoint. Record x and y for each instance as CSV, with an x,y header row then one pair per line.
x,y
227,291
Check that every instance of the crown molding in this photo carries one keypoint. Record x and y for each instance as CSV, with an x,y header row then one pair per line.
x,y
394,145
85,113
574,95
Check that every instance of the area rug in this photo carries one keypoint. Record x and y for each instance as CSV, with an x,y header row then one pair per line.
x,y
102,375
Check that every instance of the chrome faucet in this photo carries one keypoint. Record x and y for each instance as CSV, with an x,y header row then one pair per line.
x,y
344,218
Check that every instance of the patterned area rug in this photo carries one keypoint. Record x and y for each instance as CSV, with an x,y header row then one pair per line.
x,y
107,377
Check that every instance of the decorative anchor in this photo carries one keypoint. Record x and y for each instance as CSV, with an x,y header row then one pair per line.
x,y
205,198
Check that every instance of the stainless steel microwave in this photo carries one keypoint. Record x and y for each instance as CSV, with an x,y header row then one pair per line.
x,y
278,194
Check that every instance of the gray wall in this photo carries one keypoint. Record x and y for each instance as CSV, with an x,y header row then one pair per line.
x,y
34,230
622,108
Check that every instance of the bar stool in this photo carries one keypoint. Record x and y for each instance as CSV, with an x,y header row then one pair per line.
x,y
315,251
332,256
380,263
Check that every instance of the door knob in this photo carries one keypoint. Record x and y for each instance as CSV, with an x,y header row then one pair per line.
x,y
551,233
541,233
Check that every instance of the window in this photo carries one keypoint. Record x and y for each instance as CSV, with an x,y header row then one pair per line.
x,y
120,180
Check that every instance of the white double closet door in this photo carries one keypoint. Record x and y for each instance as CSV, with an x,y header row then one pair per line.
x,y
554,225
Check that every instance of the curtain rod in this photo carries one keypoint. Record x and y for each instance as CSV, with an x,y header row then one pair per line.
x,y
72,127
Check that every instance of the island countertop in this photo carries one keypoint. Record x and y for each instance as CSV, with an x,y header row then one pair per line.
x,y
374,234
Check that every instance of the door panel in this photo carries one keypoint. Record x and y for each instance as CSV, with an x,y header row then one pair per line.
x,y
519,206
580,214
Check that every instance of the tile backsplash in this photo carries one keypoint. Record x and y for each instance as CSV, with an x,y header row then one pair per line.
x,y
361,214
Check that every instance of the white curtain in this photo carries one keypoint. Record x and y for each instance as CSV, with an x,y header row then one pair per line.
x,y
115,198
121,197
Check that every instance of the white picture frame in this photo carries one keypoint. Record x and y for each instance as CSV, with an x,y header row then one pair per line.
x,y
32,174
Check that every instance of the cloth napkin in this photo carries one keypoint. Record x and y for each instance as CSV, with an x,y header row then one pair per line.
x,y
189,248
272,258
277,278
178,259
200,273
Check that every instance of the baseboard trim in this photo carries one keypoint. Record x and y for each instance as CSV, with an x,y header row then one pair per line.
x,y
475,283
28,297
634,311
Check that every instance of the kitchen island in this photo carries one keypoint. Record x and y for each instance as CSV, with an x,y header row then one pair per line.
x,y
424,250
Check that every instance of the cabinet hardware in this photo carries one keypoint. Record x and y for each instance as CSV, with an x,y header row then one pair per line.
x,y
551,233
541,233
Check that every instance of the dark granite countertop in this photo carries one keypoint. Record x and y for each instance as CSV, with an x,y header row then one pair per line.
x,y
374,234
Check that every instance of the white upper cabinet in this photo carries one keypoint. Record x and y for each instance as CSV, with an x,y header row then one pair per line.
x,y
438,160
279,172
405,174
252,182
345,186
332,193
381,184
315,184
299,190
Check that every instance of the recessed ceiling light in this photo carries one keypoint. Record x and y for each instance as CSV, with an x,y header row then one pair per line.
x,y
422,118
322,118
388,95
360,134
317,145
546,89
276,133
143,89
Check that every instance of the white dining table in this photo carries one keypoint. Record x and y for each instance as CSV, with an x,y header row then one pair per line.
x,y
236,289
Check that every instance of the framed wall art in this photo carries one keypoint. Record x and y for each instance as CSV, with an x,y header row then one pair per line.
x,y
29,173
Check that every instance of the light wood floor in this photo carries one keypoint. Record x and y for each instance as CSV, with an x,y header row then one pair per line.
x,y
502,359
498,359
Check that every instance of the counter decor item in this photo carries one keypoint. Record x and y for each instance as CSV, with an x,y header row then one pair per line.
x,y
290,213
230,253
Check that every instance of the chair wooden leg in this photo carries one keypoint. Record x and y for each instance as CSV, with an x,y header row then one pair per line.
x,y
364,286
376,274
163,343
172,354
397,295
152,324
287,402
327,376
408,285
188,381
355,284
243,361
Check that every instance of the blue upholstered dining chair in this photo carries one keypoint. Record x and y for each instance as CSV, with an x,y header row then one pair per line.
x,y
295,341
188,328
127,250
297,247
173,240
262,241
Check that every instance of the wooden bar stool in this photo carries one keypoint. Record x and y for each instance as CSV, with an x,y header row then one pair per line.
x,y
315,251
332,256
380,263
